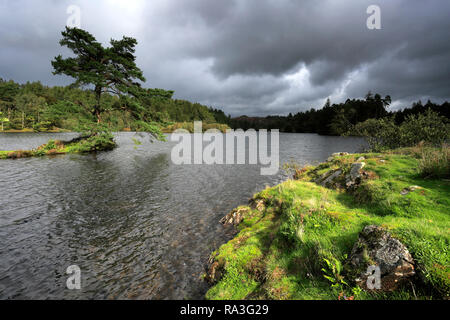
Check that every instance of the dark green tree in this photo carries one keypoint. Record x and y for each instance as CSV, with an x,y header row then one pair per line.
x,y
111,69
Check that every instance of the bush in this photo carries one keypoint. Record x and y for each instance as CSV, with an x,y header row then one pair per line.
x,y
428,127
384,134
380,134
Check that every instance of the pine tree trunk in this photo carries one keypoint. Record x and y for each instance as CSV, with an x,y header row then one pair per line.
x,y
98,94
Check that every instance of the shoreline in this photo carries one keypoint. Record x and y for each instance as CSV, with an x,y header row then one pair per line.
x,y
299,240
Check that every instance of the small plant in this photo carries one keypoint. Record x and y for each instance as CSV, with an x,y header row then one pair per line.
x,y
332,273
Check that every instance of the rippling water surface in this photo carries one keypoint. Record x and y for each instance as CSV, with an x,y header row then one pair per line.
x,y
138,226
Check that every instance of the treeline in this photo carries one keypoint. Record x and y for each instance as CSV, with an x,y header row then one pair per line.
x,y
42,108
338,119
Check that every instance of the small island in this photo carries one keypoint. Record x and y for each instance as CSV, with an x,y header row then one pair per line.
x,y
84,144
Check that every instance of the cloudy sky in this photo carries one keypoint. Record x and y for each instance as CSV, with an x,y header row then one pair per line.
x,y
253,57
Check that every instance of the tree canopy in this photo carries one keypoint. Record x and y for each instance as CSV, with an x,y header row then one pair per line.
x,y
112,69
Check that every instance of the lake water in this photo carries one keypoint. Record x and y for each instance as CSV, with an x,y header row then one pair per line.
x,y
138,226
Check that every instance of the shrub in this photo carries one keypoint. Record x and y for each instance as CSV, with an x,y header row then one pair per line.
x,y
384,134
428,127
381,134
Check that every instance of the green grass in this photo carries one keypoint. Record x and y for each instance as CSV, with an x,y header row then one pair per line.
x,y
4,154
280,252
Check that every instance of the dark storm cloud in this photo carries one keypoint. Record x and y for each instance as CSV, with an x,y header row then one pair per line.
x,y
251,57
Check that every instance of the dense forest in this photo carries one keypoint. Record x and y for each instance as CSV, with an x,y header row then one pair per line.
x,y
338,119
41,108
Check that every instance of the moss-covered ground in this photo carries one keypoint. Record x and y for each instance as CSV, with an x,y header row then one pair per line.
x,y
297,244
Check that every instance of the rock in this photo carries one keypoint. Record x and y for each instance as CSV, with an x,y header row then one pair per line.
x,y
337,154
235,217
354,177
331,178
360,159
323,177
376,248
258,204
405,191
214,270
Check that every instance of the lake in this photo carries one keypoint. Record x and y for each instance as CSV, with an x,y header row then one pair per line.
x,y
138,226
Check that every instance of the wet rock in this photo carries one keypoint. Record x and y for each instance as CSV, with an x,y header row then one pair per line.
x,y
235,217
375,249
354,177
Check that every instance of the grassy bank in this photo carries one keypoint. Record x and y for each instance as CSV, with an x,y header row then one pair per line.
x,y
294,239
99,142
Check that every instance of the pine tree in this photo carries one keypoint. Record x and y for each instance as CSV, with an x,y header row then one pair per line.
x,y
111,69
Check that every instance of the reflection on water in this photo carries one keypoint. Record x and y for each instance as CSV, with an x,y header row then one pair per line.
x,y
138,226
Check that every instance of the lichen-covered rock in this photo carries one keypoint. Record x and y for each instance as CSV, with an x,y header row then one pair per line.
x,y
235,217
354,177
331,179
323,177
376,248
